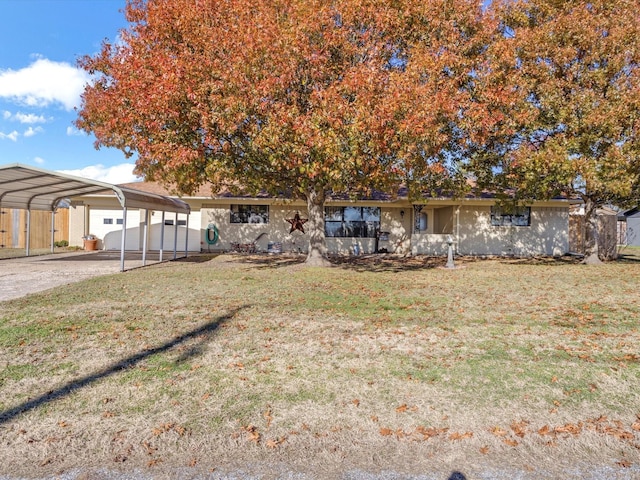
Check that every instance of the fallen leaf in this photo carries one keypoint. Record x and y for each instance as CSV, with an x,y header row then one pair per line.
x,y
484,450
460,436
510,442
385,432
402,408
498,432
546,430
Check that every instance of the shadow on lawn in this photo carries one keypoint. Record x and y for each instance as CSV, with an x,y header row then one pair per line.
x,y
207,330
363,263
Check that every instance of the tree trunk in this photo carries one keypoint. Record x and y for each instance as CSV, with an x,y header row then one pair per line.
x,y
591,242
317,256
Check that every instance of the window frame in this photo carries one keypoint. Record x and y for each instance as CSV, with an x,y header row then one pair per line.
x,y
519,216
352,222
248,214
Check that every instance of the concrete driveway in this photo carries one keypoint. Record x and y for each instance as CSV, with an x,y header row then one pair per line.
x,y
21,276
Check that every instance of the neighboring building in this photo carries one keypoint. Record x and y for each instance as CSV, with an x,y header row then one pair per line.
x,y
631,218
378,224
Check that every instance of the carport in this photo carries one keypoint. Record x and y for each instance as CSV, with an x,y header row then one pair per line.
x,y
30,188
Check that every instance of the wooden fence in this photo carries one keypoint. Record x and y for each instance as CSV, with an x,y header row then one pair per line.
x,y
607,235
13,228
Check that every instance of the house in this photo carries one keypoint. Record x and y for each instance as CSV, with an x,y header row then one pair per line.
x,y
380,223
631,219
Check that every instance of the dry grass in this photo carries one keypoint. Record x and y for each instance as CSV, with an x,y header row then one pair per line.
x,y
378,363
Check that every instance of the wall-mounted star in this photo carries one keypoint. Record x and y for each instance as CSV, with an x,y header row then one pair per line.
x,y
297,223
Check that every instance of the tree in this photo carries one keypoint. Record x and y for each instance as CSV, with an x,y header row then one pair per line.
x,y
299,98
569,119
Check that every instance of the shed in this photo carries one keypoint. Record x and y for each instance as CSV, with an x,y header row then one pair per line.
x,y
632,218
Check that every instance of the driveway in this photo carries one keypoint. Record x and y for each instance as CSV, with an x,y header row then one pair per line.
x,y
21,276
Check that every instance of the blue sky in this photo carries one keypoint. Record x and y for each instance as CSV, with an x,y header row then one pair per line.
x,y
40,85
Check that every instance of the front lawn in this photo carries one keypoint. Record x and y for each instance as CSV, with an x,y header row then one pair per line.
x,y
379,363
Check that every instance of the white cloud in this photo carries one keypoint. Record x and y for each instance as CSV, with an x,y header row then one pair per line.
x,y
6,115
116,174
39,160
72,132
44,83
9,136
30,132
29,118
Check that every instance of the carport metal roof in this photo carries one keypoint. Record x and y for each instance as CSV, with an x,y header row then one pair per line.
x,y
31,188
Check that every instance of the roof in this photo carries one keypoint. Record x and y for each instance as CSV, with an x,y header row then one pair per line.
x,y
632,212
206,191
31,188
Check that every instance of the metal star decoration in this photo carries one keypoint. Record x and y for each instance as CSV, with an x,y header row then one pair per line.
x,y
297,223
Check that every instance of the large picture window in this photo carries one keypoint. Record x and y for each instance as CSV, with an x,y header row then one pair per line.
x,y
351,221
517,217
249,213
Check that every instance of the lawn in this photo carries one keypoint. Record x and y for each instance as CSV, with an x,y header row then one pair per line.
x,y
376,364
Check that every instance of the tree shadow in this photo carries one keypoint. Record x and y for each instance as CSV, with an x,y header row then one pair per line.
x,y
205,331
543,261
373,263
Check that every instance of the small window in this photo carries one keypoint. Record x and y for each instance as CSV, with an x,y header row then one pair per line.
x,y
107,221
423,222
516,217
182,223
168,222
249,213
119,221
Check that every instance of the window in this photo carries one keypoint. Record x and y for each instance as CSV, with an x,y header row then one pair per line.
x,y
517,216
107,221
170,222
249,213
351,221
118,221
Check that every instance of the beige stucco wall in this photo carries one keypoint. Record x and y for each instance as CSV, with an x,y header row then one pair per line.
x,y
471,228
548,233
277,230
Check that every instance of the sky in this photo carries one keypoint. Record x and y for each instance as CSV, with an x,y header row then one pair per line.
x,y
40,85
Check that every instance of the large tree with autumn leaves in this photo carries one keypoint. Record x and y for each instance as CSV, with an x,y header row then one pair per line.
x,y
303,98
569,109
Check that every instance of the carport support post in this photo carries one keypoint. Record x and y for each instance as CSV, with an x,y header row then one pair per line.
x,y
175,237
53,229
124,237
28,240
186,239
161,236
145,232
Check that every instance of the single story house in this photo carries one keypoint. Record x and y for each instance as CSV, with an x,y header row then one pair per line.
x,y
223,222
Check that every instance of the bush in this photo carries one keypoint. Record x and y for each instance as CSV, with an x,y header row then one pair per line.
x,y
61,243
